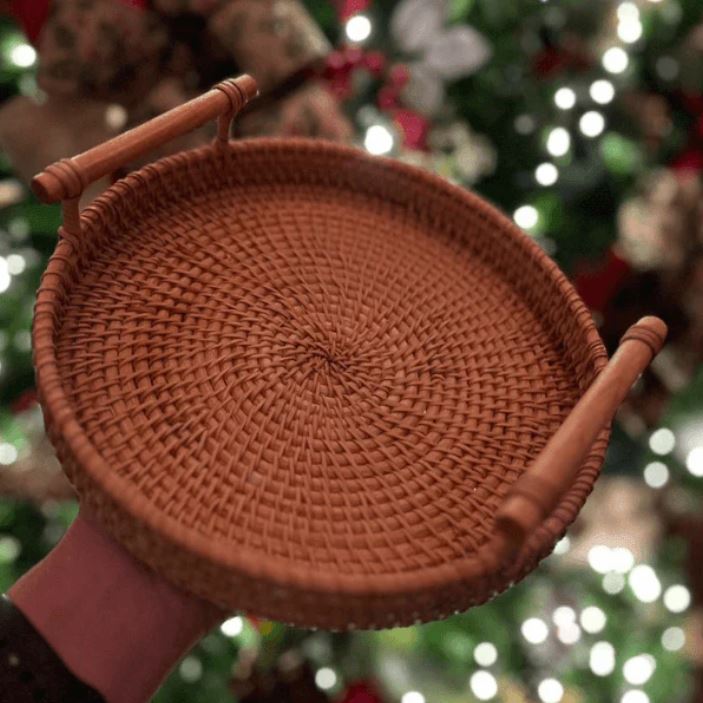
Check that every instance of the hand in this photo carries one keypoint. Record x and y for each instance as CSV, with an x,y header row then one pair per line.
x,y
116,624
310,111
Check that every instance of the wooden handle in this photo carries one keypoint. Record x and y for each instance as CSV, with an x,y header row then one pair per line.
x,y
537,492
68,178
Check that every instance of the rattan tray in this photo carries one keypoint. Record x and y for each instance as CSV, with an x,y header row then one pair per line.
x,y
313,384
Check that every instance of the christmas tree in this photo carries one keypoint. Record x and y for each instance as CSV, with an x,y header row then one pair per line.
x,y
584,121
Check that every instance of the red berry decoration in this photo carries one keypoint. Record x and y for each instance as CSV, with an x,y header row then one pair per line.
x,y
361,692
375,62
399,75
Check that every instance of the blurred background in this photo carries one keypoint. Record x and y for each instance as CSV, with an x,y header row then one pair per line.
x,y
584,122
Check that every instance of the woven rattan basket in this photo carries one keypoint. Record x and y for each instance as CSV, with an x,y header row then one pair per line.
x,y
312,384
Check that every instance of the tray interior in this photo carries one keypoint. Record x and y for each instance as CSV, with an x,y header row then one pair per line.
x,y
326,376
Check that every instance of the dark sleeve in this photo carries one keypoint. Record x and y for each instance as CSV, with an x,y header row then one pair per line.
x,y
30,671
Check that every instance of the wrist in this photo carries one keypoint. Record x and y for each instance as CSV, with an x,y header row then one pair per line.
x,y
117,625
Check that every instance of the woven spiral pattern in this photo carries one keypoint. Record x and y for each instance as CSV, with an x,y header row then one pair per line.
x,y
300,380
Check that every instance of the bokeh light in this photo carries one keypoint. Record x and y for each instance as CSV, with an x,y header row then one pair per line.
x,y
662,441
644,583
358,28
602,658
677,598
615,60
593,619
550,691
485,654
483,685
535,630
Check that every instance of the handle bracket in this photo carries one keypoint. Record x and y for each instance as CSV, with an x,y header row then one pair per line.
x,y
66,179
537,492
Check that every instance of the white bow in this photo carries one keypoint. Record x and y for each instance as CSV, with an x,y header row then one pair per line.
x,y
440,53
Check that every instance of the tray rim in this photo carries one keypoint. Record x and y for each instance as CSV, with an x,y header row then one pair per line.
x,y
249,562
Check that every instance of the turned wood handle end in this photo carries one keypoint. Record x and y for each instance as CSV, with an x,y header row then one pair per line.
x,y
536,493
650,330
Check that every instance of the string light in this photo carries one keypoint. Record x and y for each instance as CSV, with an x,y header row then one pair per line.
x,y
593,619
8,453
558,141
602,658
694,461
615,60
563,545
667,68
628,11
677,598
16,263
546,174
644,583
592,123
634,696
526,216
325,678
673,638
662,441
18,228
630,32
5,278
10,549
569,633
629,27
484,685
412,697
622,560
656,474
485,654
524,124
378,140
613,583
550,691
232,627
534,630
602,91
639,669
600,558
563,615
23,55
565,98
23,341
358,28
190,669
115,116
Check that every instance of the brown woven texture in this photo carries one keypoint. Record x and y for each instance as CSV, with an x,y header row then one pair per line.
x,y
298,380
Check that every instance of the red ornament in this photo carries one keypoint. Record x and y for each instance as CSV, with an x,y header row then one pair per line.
x,y
353,55
554,60
25,401
414,128
336,61
388,97
597,285
689,160
361,692
693,103
375,62
399,75
338,74
549,62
